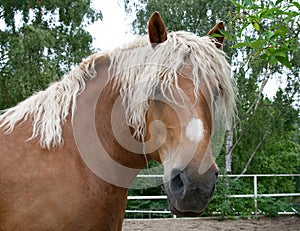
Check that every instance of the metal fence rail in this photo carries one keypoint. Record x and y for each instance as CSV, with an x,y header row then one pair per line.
x,y
255,194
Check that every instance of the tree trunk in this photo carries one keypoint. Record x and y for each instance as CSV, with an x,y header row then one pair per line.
x,y
228,150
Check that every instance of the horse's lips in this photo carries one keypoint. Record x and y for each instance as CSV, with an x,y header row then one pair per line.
x,y
178,212
185,213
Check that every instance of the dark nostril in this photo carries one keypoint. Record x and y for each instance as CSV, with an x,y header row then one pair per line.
x,y
177,185
177,182
217,174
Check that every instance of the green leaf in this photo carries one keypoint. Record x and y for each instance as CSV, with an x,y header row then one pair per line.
x,y
246,3
258,44
239,45
271,13
236,4
282,31
215,35
278,1
282,51
256,26
284,61
226,34
272,59
264,56
268,34
296,4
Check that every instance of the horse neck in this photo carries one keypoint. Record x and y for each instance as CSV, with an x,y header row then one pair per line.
x,y
97,123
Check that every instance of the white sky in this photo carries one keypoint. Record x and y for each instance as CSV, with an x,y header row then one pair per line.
x,y
115,28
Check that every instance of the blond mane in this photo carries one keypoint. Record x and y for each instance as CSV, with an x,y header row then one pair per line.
x,y
50,108
135,70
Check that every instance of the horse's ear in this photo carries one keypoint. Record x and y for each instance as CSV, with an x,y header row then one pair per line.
x,y
216,30
156,29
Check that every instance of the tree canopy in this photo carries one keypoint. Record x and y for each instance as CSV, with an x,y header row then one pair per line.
x,y
39,42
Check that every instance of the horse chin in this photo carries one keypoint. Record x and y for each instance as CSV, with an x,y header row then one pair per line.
x,y
184,213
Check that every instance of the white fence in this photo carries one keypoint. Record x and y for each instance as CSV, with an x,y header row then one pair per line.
x,y
255,194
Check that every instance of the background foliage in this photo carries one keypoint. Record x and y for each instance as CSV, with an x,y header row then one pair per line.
x,y
39,42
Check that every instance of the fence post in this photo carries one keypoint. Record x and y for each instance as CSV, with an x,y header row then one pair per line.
x,y
255,194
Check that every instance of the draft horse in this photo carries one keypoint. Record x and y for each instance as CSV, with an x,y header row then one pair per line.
x,y
69,153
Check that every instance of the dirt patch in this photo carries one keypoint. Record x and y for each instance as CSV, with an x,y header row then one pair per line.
x,y
282,223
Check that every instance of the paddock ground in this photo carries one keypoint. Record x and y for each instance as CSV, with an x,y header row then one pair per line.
x,y
280,223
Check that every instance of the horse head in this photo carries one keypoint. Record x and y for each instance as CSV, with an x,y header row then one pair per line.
x,y
186,114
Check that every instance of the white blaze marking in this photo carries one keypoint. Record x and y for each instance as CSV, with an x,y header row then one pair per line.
x,y
194,130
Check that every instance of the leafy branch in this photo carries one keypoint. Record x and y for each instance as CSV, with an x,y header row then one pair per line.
x,y
267,133
268,41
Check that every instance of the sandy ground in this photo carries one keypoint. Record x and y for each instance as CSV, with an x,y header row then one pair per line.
x,y
282,223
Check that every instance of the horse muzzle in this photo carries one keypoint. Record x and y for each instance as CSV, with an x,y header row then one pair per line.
x,y
188,192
